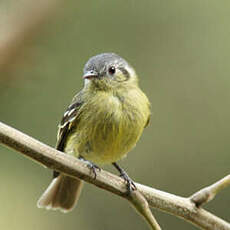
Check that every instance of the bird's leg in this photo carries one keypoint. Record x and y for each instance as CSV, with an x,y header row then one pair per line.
x,y
130,184
91,166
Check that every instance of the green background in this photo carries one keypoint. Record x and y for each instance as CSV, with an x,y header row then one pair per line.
x,y
181,51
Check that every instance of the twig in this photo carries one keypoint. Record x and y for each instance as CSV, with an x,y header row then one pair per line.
x,y
142,207
208,193
49,157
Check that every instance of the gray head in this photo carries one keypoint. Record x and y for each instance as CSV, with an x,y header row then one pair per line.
x,y
108,70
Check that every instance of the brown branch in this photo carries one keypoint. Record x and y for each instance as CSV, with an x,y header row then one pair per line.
x,y
49,157
141,205
208,193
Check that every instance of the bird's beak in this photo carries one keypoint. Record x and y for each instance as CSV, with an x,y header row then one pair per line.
x,y
90,75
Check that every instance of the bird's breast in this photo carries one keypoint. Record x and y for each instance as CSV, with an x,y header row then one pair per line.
x,y
109,127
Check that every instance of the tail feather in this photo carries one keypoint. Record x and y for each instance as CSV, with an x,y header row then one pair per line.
x,y
62,194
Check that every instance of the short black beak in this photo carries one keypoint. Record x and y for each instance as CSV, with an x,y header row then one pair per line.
x,y
90,74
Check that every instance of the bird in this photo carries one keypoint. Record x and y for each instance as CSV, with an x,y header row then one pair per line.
x,y
101,125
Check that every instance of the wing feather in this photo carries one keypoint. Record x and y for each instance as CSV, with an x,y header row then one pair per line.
x,y
69,116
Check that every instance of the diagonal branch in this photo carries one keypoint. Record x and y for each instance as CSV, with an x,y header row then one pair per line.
x,y
141,205
51,158
208,193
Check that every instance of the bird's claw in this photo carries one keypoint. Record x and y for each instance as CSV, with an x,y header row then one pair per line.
x,y
129,182
92,167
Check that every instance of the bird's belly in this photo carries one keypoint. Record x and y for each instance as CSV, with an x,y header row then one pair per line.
x,y
109,134
111,148
106,140
109,141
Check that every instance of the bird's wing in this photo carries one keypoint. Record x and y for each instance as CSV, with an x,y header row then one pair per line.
x,y
65,125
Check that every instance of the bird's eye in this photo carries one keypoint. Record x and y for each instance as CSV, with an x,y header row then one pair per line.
x,y
112,70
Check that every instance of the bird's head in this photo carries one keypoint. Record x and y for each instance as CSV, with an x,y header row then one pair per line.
x,y
108,71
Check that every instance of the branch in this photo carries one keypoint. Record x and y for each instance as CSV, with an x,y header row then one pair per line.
x,y
208,193
51,158
141,205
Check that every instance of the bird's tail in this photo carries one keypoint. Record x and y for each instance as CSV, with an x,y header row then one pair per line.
x,y
62,194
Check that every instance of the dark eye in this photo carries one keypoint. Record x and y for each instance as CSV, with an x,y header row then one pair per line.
x,y
112,70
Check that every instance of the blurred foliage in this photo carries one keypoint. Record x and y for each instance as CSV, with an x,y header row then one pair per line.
x,y
180,50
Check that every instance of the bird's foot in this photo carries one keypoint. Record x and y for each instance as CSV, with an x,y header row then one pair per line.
x,y
129,182
92,167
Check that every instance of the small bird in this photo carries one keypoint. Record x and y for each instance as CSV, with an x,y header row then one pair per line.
x,y
101,125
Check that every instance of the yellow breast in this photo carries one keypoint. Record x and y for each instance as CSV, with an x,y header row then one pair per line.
x,y
109,126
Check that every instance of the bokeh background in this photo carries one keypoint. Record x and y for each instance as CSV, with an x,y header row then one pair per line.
x,y
180,49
